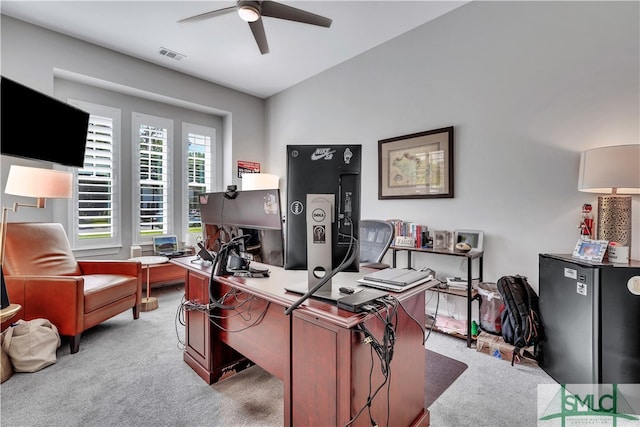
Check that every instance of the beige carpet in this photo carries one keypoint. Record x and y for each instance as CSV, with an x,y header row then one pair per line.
x,y
131,373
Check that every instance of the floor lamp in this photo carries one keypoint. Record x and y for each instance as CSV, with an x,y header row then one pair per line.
x,y
33,182
613,172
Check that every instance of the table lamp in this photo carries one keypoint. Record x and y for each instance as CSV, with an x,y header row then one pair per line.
x,y
614,172
259,181
33,182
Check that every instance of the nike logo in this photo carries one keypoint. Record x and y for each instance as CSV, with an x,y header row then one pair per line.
x,y
323,153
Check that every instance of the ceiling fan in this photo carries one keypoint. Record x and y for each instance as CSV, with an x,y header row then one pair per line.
x,y
253,11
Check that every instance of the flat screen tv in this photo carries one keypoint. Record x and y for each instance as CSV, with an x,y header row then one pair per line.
x,y
37,126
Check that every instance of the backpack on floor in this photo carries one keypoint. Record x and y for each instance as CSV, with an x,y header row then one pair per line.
x,y
521,324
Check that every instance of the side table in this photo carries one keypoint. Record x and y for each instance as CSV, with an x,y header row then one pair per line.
x,y
9,311
149,303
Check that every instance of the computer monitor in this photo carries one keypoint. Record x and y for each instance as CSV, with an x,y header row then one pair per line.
x,y
255,213
323,222
166,245
332,170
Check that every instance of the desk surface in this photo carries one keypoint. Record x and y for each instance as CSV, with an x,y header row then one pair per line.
x,y
273,288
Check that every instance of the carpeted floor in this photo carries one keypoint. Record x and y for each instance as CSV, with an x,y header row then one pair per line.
x,y
132,373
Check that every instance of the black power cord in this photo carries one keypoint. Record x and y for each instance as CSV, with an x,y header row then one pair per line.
x,y
350,256
244,308
382,349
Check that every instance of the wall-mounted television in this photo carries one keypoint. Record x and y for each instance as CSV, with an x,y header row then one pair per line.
x,y
37,126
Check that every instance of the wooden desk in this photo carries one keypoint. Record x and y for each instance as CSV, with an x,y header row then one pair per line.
x,y
315,351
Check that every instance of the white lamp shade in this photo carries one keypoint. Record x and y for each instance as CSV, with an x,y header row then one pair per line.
x,y
259,181
40,183
604,169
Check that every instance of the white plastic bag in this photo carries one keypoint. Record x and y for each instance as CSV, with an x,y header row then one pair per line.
x,y
31,345
490,305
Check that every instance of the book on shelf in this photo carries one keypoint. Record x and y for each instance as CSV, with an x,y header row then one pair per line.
x,y
404,230
457,283
460,282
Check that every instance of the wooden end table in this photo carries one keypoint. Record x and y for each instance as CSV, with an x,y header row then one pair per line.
x,y
9,311
149,303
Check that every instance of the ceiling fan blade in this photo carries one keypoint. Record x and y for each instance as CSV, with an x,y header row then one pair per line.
x,y
273,9
258,33
210,14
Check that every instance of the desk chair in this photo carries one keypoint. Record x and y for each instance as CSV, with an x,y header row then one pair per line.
x,y
375,238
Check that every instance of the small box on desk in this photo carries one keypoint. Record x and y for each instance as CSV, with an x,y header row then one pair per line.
x,y
494,345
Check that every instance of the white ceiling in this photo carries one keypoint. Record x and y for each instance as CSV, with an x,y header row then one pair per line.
x,y
222,49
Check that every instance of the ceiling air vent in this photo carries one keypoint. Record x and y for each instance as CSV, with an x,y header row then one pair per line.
x,y
171,54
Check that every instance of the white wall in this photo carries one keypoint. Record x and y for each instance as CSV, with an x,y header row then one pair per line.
x,y
527,86
32,56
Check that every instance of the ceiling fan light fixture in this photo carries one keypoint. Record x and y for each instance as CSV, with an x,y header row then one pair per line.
x,y
248,13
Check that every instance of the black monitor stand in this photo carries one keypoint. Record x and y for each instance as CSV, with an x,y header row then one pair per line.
x,y
320,208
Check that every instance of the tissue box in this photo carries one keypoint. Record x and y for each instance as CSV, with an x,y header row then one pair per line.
x,y
495,346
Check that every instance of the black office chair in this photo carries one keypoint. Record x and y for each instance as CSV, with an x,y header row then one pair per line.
x,y
375,238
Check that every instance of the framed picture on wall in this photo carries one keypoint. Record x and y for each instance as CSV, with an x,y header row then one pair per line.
x,y
416,166
473,237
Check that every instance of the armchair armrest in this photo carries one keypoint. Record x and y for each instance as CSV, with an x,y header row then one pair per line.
x,y
59,299
127,268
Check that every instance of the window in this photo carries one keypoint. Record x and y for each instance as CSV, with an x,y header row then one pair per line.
x,y
199,146
96,204
151,142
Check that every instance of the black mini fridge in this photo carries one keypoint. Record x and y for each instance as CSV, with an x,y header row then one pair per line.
x,y
591,318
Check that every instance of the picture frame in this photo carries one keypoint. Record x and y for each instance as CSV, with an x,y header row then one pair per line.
x,y
442,239
416,166
590,250
475,238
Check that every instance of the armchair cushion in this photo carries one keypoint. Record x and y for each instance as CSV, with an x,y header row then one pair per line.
x,y
43,276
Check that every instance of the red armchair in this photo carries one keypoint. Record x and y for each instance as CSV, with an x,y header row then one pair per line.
x,y
43,276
